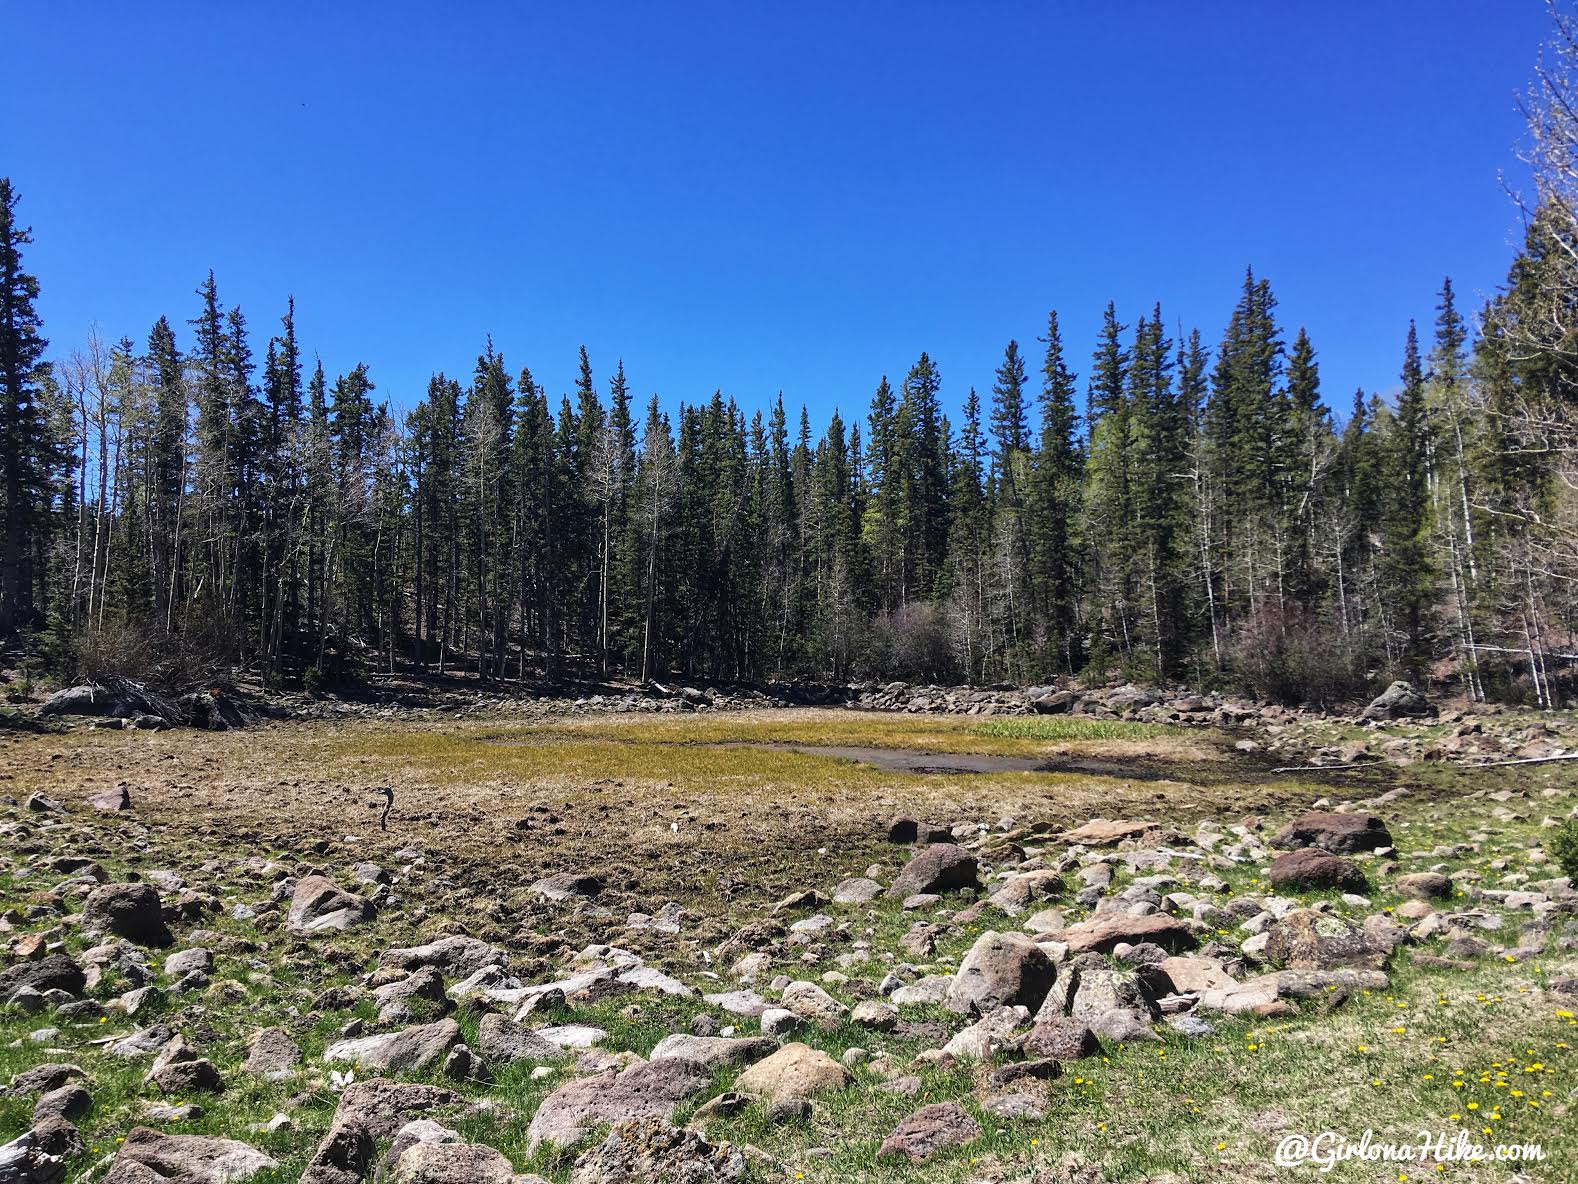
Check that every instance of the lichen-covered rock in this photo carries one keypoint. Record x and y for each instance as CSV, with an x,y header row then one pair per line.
x,y
650,1151
189,1159
794,1071
929,1130
1001,969
942,867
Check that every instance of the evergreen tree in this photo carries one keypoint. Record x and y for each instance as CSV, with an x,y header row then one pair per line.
x,y
26,446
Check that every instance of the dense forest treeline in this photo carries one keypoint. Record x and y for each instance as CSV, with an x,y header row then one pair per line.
x,y
1162,507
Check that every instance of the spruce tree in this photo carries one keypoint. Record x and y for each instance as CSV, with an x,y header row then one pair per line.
x,y
26,446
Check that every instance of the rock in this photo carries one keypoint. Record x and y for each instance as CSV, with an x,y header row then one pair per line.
x,y
1194,975
418,996
1122,1025
1101,933
780,1021
943,867
504,1042
42,803
1341,834
111,800
453,1163
187,1075
1312,868
648,1090
319,905
1308,940
40,1079
714,1052
68,1101
1061,1038
567,885
272,1052
650,1151
25,1160
1001,969
455,957
856,891
52,972
794,1071
1106,832
989,1035
1399,701
381,1106
345,1156
118,700
1102,989
419,1047
875,1015
185,1159
929,1130
1050,701
1424,886
1019,893
132,911
814,1005
185,961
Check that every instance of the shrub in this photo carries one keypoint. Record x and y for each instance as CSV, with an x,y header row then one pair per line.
x,y
1562,847
910,643
1283,654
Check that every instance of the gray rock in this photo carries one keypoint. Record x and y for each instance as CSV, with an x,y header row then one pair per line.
x,y
189,1159
650,1090
455,957
929,1130
132,911
651,1151
415,1048
318,905
504,1042
1001,969
714,1052
943,867
418,996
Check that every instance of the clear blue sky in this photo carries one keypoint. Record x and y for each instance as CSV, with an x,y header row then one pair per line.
x,y
755,197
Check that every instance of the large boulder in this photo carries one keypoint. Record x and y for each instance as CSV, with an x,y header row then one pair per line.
x,y
1310,940
119,700
455,957
1001,969
714,1052
1341,834
25,1160
419,1047
187,1159
52,972
1100,934
318,904
794,1071
942,867
132,911
503,1042
650,1090
1399,701
814,1005
1106,832
650,1151
1311,868
453,1163
929,1130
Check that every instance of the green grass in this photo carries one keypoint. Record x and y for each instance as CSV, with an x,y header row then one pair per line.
x,y
1063,729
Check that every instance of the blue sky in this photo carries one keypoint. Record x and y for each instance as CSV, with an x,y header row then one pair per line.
x,y
755,197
